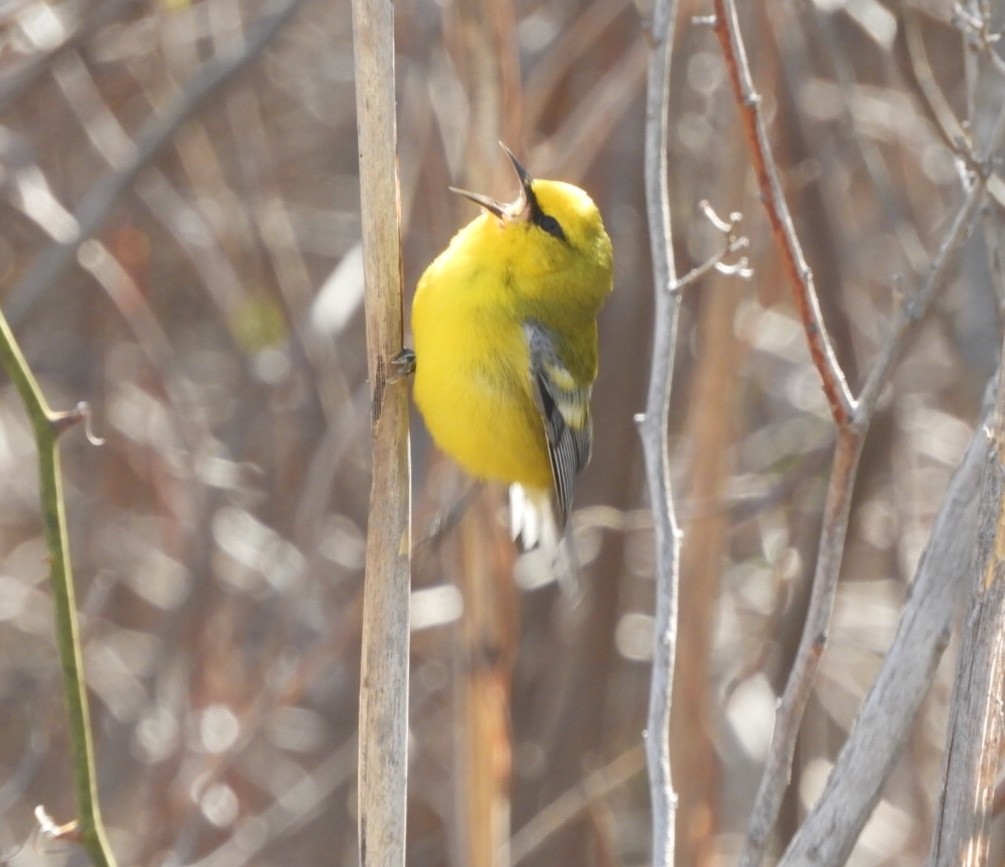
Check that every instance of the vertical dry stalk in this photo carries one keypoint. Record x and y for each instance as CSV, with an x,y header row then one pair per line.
x,y
482,564
710,426
482,43
974,738
383,717
653,431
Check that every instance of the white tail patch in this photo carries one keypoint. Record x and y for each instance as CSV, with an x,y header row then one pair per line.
x,y
532,518
547,555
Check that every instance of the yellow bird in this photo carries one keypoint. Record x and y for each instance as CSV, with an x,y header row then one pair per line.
x,y
505,329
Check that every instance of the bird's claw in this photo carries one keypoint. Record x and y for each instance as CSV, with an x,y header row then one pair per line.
x,y
402,365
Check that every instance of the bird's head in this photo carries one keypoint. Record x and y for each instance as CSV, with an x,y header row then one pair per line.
x,y
551,226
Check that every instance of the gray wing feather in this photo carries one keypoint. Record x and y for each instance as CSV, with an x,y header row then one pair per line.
x,y
565,412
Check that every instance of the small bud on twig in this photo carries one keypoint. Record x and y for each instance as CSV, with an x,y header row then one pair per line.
x,y
60,421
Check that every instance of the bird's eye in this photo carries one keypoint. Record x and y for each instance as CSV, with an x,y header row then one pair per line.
x,y
551,226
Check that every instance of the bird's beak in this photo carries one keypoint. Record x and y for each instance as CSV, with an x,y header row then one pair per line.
x,y
487,202
524,176
502,211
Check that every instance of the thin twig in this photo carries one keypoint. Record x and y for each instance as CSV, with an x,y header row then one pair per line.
x,y
851,416
653,432
799,36
717,261
851,435
933,100
835,524
778,764
47,425
915,307
822,352
888,712
574,802
798,687
383,714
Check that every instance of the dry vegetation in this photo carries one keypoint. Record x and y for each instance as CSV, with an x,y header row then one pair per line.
x,y
212,318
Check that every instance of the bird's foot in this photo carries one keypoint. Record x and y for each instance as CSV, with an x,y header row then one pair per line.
x,y
402,366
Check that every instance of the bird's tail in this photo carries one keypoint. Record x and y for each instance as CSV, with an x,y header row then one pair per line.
x,y
532,518
548,553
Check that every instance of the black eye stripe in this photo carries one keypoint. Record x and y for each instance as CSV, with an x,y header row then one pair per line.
x,y
550,225
543,221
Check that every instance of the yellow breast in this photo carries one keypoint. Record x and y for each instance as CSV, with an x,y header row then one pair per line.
x,y
472,380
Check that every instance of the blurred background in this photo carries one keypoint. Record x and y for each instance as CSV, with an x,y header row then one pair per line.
x,y
179,246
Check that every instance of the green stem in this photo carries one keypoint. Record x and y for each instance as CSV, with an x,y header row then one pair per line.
x,y
47,425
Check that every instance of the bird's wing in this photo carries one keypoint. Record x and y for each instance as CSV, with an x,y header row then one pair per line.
x,y
564,405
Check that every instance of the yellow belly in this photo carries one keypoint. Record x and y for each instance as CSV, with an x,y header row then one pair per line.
x,y
472,386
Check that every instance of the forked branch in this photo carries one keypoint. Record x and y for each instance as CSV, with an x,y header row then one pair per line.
x,y
852,416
